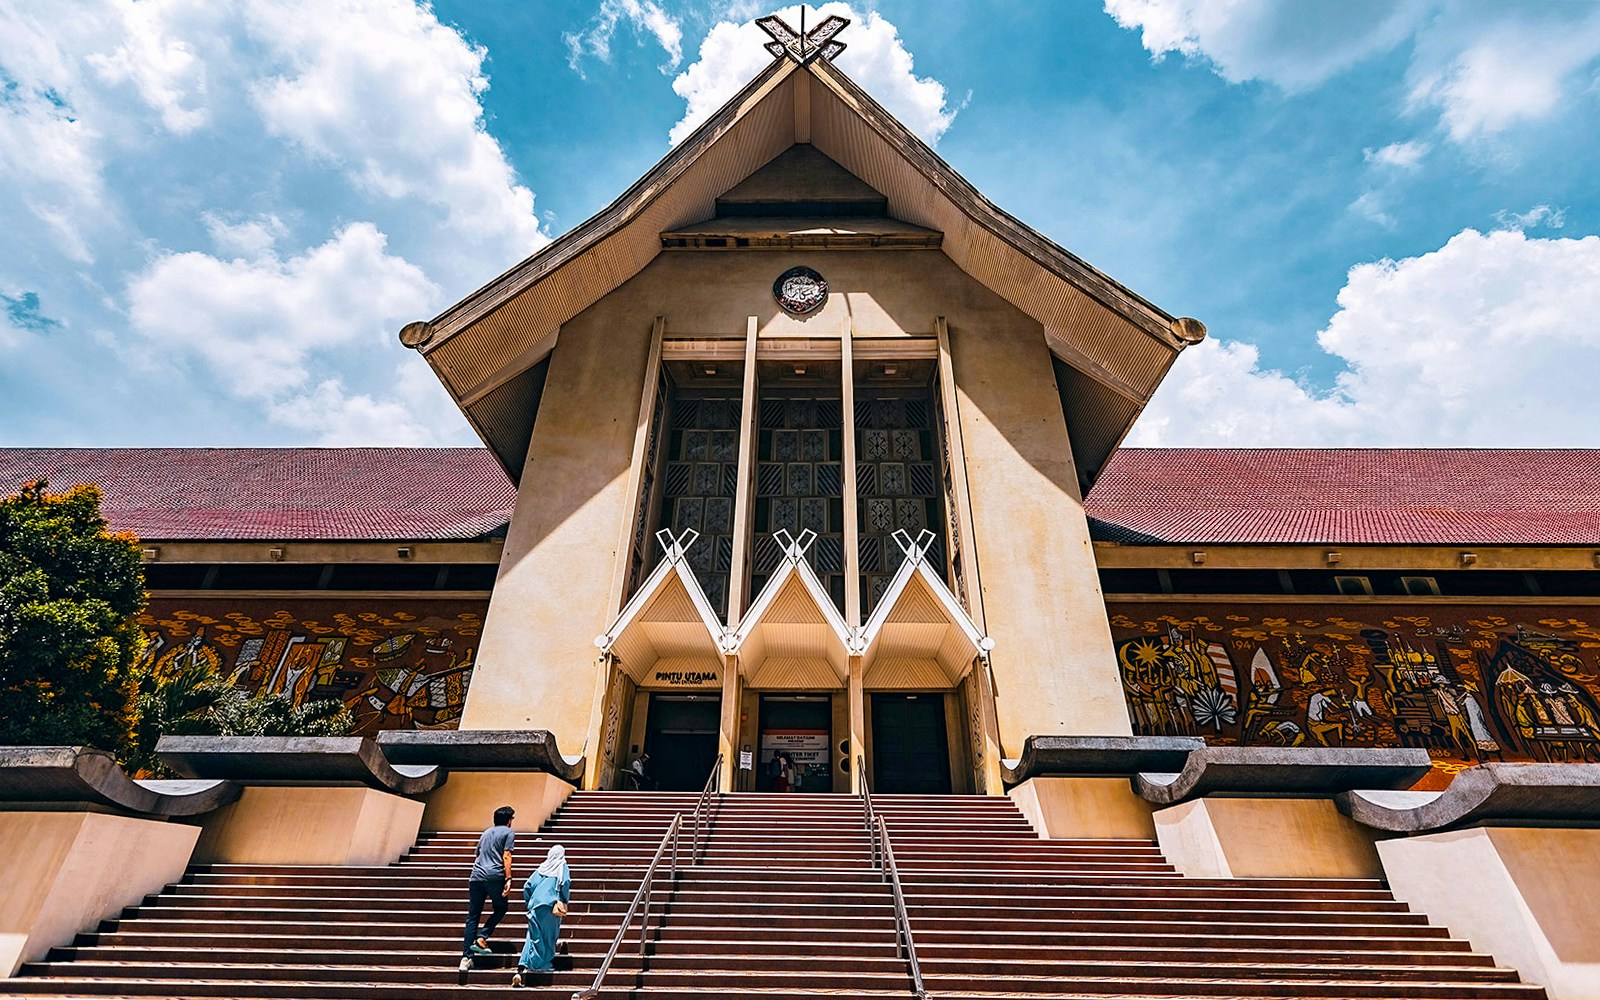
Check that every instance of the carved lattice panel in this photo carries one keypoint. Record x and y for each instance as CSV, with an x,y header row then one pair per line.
x,y
799,485
699,481
897,448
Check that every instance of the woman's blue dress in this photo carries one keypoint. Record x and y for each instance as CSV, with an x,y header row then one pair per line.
x,y
540,892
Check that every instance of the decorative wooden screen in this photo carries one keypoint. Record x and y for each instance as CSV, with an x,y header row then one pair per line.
x,y
698,486
899,485
799,486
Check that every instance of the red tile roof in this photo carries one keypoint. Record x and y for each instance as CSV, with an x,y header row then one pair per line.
x,y
398,494
1349,496
1345,496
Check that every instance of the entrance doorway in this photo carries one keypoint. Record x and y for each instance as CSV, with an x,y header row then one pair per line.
x,y
681,739
800,727
909,749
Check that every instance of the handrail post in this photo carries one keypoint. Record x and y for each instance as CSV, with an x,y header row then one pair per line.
x,y
641,900
713,783
869,815
644,922
903,938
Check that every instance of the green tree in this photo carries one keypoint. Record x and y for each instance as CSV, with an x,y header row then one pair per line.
x,y
197,700
255,715
186,703
69,592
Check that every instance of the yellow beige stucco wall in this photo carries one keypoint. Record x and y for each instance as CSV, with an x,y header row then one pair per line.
x,y
1221,837
468,800
273,824
1524,895
1060,808
536,666
1053,661
1054,668
64,872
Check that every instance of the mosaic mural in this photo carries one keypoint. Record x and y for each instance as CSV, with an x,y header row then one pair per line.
x,y
1467,683
402,664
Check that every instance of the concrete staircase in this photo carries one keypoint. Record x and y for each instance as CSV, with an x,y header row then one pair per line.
x,y
785,904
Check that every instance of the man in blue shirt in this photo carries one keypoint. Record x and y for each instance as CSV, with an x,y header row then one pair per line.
x,y
491,882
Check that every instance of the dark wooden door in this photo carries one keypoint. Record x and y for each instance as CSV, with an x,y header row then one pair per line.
x,y
681,739
909,750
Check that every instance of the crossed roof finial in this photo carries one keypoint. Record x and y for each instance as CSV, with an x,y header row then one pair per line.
x,y
804,46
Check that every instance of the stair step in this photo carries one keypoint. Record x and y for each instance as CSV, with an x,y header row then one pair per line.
x,y
786,903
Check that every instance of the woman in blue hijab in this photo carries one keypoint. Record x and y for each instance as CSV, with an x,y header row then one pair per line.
x,y
547,893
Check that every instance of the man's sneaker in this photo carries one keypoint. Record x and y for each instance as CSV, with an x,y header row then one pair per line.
x,y
466,964
480,949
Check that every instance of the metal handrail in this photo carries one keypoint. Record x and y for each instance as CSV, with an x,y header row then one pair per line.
x,y
883,860
869,815
647,883
642,897
713,781
902,919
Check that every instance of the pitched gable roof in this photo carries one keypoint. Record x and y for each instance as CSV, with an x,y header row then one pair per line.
x,y
1349,496
1117,346
280,494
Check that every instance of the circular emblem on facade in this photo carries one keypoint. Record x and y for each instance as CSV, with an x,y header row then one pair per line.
x,y
800,290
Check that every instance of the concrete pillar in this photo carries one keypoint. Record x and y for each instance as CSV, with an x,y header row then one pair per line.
x,y
728,729
64,872
1265,838
1055,670
602,719
1526,896
858,724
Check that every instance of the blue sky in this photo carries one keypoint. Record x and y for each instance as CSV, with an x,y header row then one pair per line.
x,y
217,213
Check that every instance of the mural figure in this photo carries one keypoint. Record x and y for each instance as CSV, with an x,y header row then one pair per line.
x,y
1464,685
1179,684
396,664
1548,716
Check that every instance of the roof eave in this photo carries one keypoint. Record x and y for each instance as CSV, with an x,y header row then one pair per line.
x,y
597,227
1044,251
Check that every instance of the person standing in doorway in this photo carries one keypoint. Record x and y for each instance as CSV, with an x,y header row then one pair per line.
x,y
637,774
547,892
490,882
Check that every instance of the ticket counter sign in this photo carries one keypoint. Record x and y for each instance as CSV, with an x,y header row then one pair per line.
x,y
807,749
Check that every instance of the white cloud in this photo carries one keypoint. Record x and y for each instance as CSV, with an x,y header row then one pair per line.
x,y
1484,74
1482,68
249,237
335,417
1295,46
267,328
163,68
391,96
646,17
1370,206
877,59
1537,217
257,323
1487,341
1401,155
176,167
49,155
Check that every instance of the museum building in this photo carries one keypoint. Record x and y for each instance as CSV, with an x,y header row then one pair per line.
x,y
802,472
802,445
